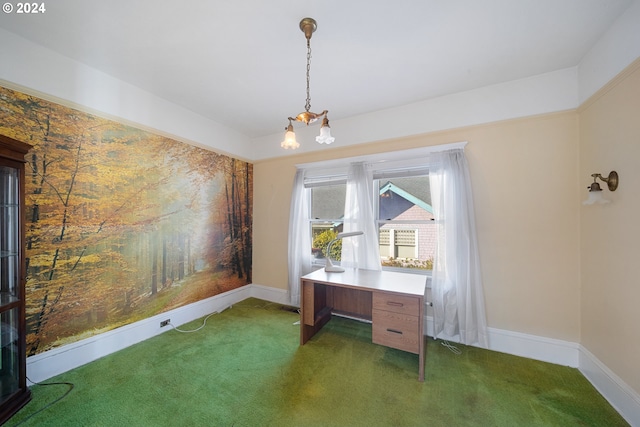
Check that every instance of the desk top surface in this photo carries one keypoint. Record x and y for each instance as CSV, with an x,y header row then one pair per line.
x,y
386,281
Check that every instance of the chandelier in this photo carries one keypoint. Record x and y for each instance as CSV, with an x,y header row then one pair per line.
x,y
308,26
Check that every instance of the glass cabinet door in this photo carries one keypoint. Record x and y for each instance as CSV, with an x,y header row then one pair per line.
x,y
9,235
9,354
14,393
9,281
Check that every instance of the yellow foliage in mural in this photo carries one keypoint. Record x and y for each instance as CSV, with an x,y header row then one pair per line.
x,y
122,224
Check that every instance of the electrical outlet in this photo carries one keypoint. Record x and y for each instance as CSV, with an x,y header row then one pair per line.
x,y
164,323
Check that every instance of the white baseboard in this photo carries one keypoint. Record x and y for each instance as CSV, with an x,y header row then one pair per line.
x,y
534,347
61,359
54,362
622,397
530,346
267,293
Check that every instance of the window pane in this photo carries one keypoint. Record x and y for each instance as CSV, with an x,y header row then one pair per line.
x,y
407,245
327,202
407,230
327,211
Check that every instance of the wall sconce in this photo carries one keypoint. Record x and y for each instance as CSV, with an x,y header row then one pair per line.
x,y
329,266
595,192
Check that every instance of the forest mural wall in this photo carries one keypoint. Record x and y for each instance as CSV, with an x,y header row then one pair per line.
x,y
121,223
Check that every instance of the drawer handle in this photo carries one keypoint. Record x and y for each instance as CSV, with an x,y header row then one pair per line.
x,y
395,331
395,304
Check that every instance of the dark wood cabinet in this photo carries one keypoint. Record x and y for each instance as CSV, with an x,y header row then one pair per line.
x,y
14,393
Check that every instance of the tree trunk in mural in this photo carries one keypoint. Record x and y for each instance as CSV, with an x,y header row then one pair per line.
x,y
237,247
164,261
231,246
238,220
38,179
36,183
180,256
63,196
154,263
247,222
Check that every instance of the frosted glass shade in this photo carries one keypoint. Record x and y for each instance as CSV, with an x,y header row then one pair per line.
x,y
325,135
289,140
595,197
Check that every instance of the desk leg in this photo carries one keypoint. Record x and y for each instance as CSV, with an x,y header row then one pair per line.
x,y
314,312
423,343
306,311
421,359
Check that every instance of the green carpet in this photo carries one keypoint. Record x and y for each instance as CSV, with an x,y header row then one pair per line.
x,y
246,368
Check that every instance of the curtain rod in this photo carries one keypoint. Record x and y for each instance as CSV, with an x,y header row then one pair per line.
x,y
411,153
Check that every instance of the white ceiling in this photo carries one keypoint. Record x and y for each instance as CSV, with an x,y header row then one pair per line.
x,y
242,62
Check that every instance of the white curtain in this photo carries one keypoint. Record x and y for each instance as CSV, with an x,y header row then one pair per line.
x,y
458,299
360,251
299,237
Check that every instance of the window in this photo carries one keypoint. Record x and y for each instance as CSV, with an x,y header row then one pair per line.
x,y
405,222
403,225
327,212
406,229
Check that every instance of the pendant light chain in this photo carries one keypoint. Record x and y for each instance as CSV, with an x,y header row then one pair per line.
x,y
308,26
307,106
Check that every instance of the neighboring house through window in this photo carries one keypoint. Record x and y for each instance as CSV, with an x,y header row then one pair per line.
x,y
405,223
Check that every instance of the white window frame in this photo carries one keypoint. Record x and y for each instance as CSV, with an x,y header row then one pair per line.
x,y
385,165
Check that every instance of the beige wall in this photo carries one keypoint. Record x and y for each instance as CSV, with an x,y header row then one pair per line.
x,y
525,181
610,249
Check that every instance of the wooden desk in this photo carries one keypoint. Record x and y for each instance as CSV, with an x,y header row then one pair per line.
x,y
393,302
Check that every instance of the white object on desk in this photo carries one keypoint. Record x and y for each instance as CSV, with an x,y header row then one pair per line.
x,y
329,265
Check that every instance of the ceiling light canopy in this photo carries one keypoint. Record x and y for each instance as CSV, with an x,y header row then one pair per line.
x,y
308,26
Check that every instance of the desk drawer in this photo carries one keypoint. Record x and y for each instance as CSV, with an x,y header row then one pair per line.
x,y
396,330
396,303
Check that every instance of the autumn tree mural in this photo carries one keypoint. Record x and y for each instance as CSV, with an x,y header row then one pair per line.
x,y
122,224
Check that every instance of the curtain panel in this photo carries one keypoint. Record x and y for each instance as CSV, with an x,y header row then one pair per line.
x,y
299,243
457,292
360,251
